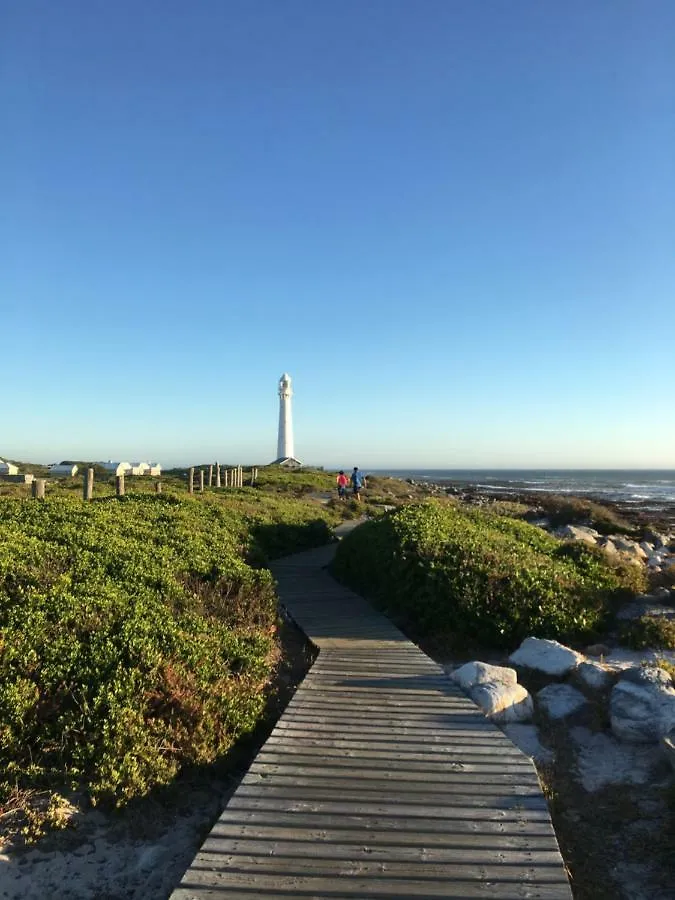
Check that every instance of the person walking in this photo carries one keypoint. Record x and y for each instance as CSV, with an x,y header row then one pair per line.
x,y
358,480
342,482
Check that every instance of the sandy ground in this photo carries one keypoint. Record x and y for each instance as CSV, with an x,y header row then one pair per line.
x,y
137,856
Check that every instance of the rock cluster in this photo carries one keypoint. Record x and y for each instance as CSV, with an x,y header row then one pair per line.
x,y
657,551
640,700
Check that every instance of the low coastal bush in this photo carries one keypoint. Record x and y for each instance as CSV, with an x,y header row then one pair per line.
x,y
563,510
134,635
648,632
454,573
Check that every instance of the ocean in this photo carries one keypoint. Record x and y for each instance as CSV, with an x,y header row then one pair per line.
x,y
646,490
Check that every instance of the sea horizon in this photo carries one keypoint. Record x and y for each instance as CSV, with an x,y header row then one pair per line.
x,y
643,489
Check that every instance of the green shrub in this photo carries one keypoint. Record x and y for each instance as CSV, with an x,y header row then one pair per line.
x,y
648,632
460,573
134,635
563,510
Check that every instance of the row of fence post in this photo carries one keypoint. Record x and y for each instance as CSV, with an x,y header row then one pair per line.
x,y
222,477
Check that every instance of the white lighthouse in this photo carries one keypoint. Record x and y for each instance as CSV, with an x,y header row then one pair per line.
x,y
285,448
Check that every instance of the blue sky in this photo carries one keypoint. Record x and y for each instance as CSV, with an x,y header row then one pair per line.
x,y
452,222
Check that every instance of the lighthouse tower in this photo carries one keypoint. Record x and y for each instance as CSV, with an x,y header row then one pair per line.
x,y
285,448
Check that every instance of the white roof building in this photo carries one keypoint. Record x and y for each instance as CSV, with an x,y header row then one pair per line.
x,y
8,468
63,469
115,468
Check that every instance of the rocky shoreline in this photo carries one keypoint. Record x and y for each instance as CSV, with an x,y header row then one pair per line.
x,y
640,513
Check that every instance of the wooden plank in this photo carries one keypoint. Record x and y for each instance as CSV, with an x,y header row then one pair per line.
x,y
281,884
396,827
273,858
453,838
414,762
339,799
452,772
381,779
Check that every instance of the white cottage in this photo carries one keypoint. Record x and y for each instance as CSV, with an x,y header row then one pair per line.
x,y
139,468
63,470
115,468
8,468
154,469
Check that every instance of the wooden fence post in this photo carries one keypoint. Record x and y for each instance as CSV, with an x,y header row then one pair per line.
x,y
210,476
119,485
191,480
201,481
158,487
38,489
88,484
217,474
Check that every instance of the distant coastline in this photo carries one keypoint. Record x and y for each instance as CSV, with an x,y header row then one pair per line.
x,y
639,493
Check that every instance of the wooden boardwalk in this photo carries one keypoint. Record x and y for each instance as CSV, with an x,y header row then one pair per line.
x,y
381,779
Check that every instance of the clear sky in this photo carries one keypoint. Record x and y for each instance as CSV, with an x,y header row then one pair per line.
x,y
453,223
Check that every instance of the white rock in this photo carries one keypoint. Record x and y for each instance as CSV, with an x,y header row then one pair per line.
x,y
608,546
578,533
545,656
560,700
503,702
647,547
496,690
632,548
642,706
480,673
593,675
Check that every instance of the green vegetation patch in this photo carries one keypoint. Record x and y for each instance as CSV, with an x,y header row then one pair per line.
x,y
648,632
135,636
454,573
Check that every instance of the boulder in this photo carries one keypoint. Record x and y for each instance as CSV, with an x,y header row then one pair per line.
x,y
472,673
545,656
657,539
630,548
503,702
496,690
558,701
648,676
642,705
608,546
593,676
578,533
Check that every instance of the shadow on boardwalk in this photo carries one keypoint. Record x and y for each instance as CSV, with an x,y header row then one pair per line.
x,y
381,779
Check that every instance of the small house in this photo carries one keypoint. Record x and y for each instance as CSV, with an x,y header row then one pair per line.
x,y
116,468
63,470
139,468
8,468
154,469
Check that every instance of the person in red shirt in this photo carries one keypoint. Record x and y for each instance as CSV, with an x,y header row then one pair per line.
x,y
342,482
